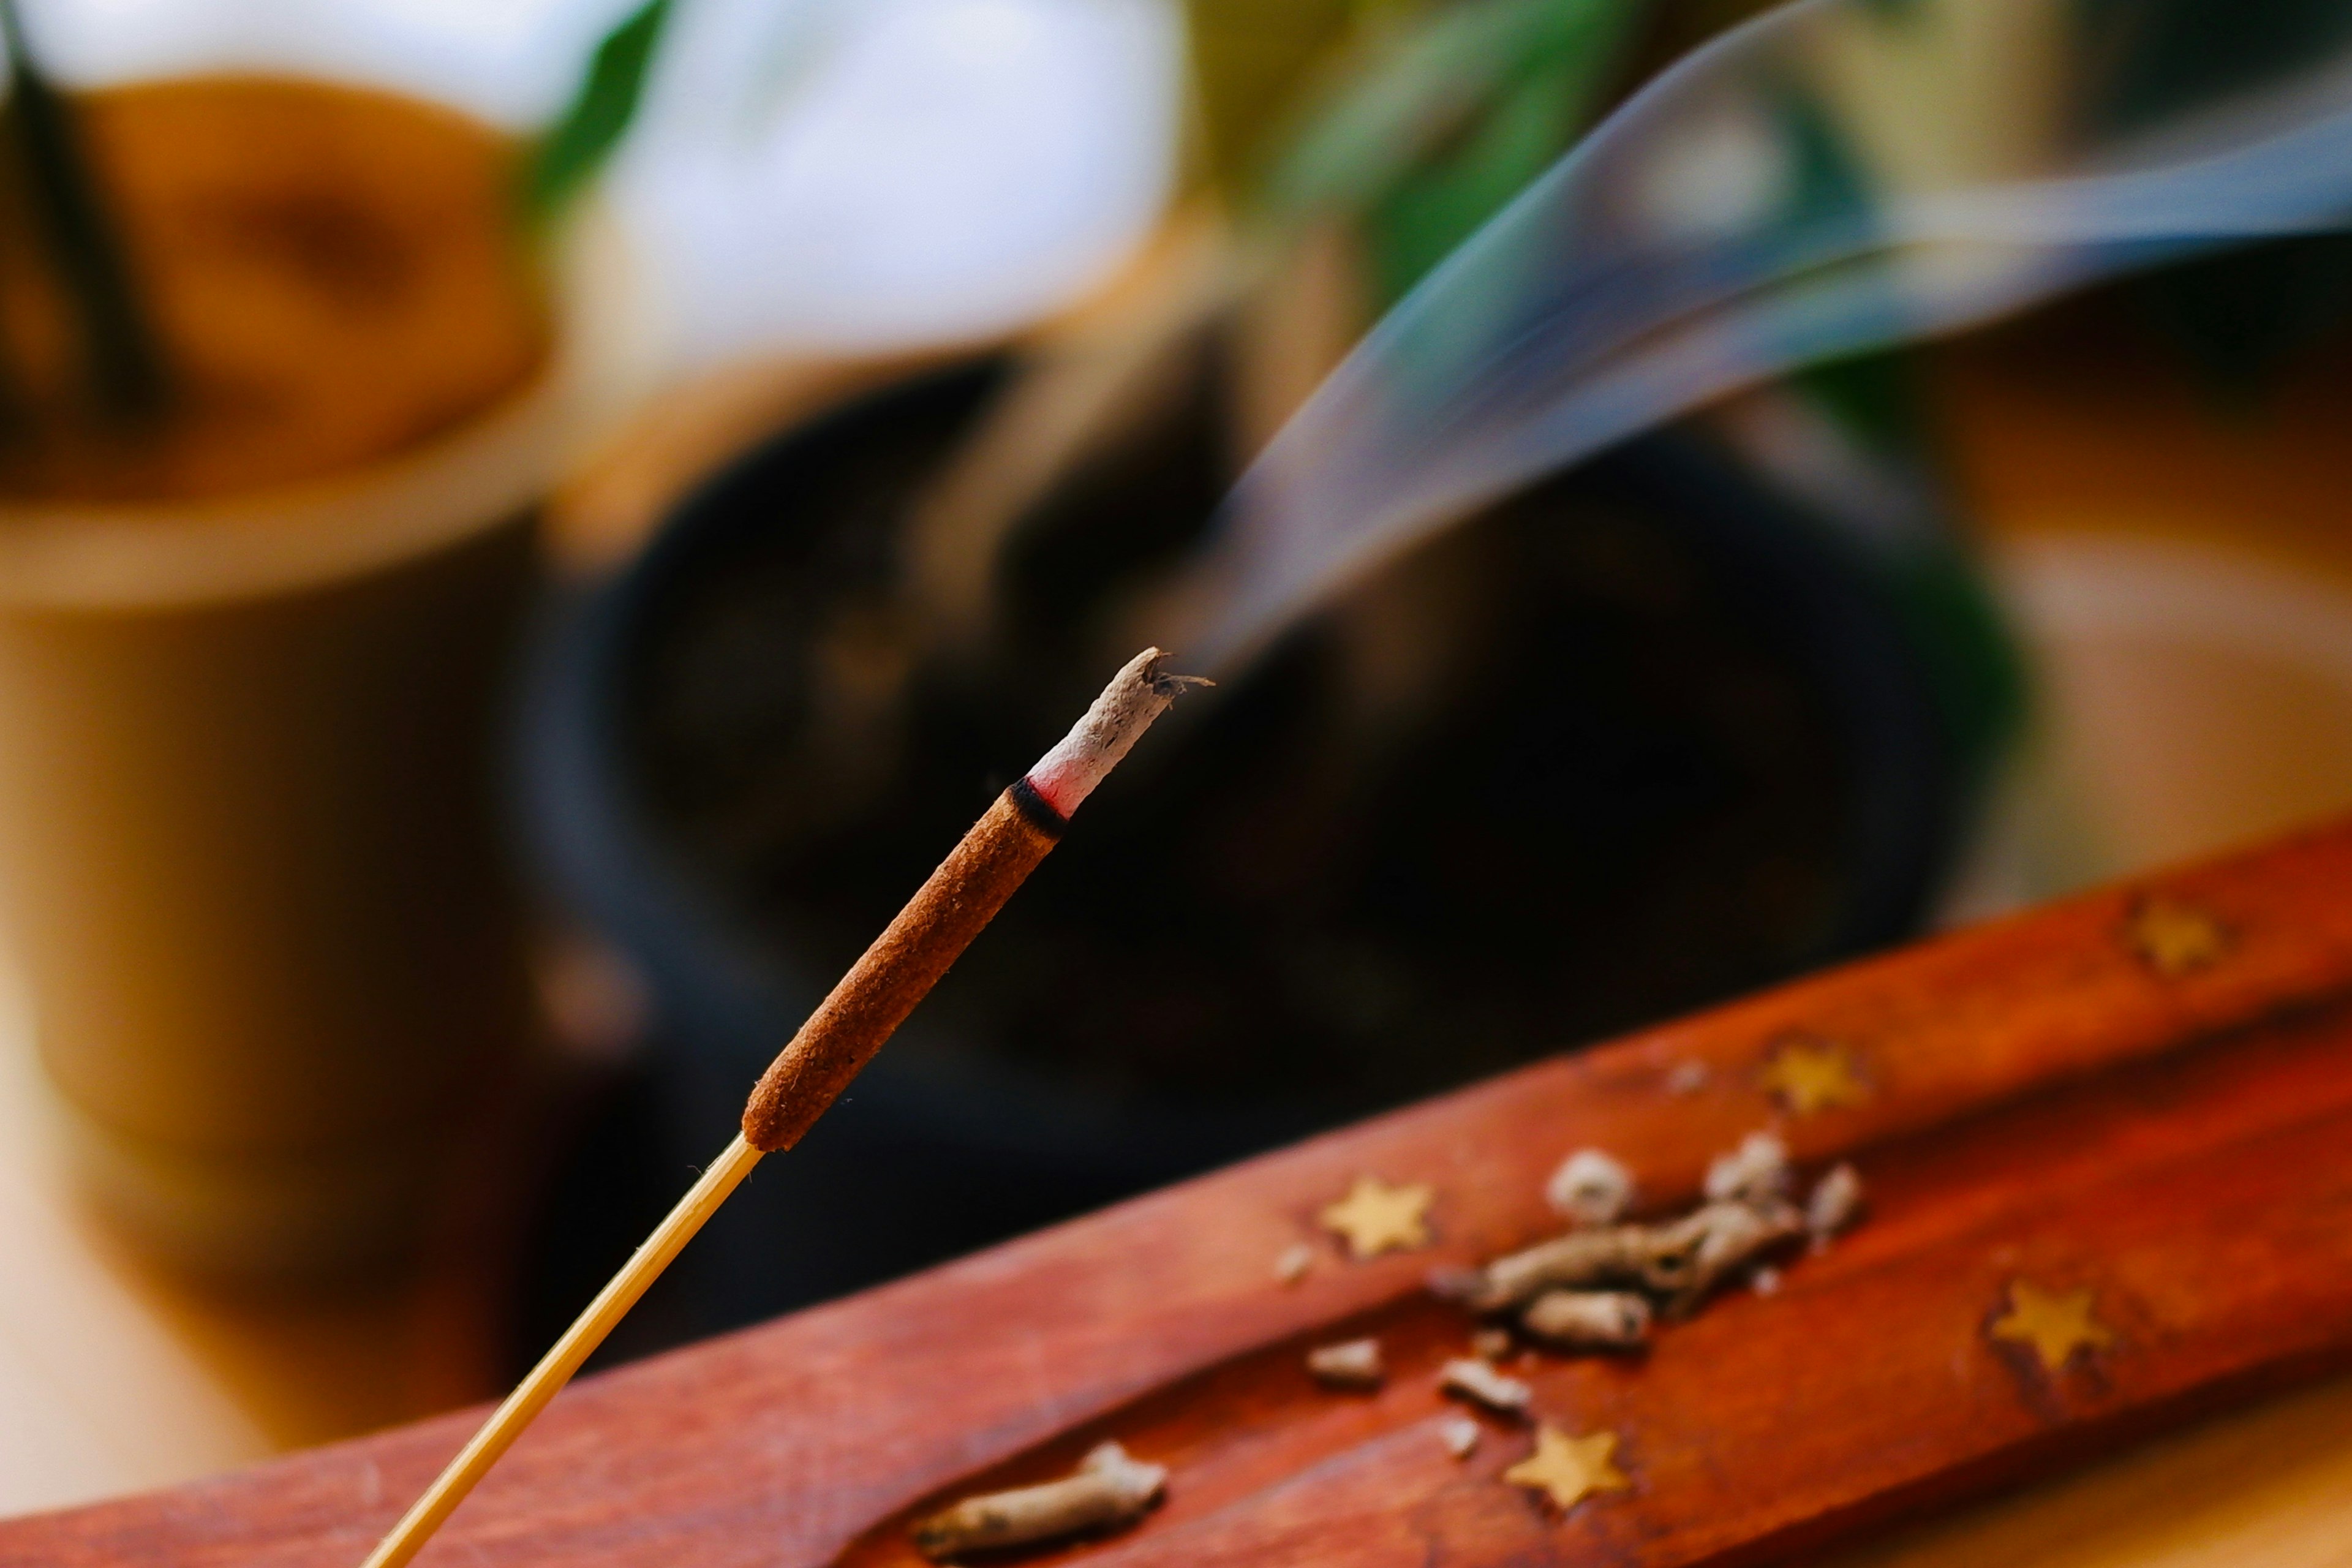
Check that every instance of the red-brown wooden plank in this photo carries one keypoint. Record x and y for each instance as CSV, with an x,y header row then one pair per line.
x,y
2190,1170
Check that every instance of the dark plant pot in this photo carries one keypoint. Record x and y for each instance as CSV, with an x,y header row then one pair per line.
x,y
1697,743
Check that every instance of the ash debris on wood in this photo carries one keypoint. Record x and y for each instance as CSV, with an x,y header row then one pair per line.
x,y
1493,1344
1109,1488
1689,1078
1834,1205
1757,1172
1581,1260
1588,1320
1603,1287
1477,1381
1707,1248
1589,1189
1353,1364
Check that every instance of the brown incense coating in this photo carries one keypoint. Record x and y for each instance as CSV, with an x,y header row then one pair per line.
x,y
905,962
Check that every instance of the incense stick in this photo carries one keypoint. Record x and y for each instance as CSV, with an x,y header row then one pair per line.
x,y
840,1037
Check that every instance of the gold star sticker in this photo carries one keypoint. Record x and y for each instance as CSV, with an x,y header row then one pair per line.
x,y
1813,1074
2056,1323
1376,1217
1568,1469
2175,939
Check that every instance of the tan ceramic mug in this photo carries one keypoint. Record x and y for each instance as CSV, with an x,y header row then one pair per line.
x,y
246,814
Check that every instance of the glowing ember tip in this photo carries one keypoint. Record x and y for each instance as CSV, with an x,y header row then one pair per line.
x,y
1136,695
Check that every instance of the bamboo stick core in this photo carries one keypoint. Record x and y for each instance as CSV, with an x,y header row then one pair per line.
x,y
546,1380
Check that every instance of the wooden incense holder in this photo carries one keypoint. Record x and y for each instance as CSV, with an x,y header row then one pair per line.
x,y
2136,1102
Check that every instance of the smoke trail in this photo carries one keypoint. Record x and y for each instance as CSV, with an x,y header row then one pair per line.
x,y
1835,176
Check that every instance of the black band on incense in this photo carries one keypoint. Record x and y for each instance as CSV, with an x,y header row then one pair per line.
x,y
1034,809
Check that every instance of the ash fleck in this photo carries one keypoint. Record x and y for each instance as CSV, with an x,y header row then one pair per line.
x,y
1451,1282
1688,1078
1590,1188
1460,1435
1492,1345
1765,1281
1296,1259
1756,1173
1835,1204
1353,1364
1482,1385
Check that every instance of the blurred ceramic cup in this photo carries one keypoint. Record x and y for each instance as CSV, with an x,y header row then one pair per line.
x,y
248,674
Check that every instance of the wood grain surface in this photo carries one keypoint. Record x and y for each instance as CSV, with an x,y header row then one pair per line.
x,y
2144,1094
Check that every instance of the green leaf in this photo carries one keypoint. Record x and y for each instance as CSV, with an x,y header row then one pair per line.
x,y
1451,121
576,145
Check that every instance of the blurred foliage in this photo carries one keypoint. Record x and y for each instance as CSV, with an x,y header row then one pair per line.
x,y
1253,59
1423,131
1443,124
592,124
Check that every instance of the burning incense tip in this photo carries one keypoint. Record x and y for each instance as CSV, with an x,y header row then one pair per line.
x,y
1136,695
960,897
1109,1488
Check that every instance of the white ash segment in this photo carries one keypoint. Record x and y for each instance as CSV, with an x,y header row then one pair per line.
x,y
1353,1364
1082,759
1757,1171
1581,1258
1702,1249
1459,1434
1835,1204
1688,1078
1109,1488
1588,1320
1480,1383
1590,1188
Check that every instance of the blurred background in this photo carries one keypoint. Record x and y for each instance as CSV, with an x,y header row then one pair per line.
x,y
525,531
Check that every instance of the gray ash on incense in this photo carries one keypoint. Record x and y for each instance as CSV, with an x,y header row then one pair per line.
x,y
1100,741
